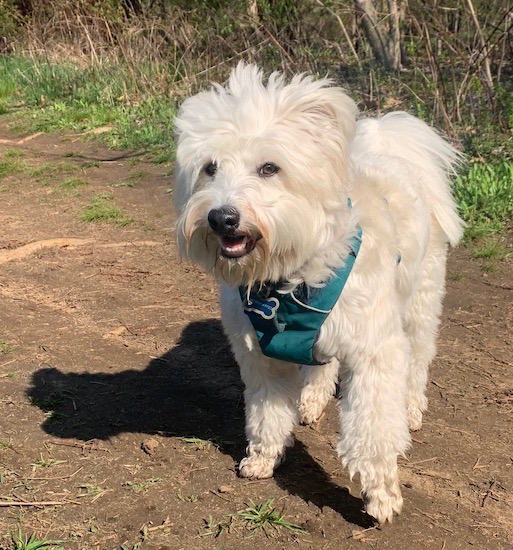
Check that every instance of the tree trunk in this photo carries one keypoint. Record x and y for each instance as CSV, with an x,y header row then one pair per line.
x,y
383,31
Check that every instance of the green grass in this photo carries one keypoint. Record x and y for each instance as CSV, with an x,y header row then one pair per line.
x,y
10,168
46,462
65,97
73,183
5,347
265,517
485,197
22,542
49,172
5,444
101,209
255,518
141,486
13,154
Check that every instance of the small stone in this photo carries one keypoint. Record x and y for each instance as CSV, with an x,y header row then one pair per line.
x,y
225,489
149,446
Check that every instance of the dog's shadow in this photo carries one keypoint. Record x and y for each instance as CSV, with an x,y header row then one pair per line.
x,y
193,390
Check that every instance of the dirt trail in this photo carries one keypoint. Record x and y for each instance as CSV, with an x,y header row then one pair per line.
x,y
121,401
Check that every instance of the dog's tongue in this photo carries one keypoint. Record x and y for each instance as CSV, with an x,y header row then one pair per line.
x,y
234,247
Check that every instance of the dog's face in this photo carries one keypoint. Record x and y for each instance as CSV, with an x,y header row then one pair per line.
x,y
261,174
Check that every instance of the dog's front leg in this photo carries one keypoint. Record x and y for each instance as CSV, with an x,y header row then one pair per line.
x,y
374,423
272,390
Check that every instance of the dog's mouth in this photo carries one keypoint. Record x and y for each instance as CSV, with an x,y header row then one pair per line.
x,y
236,246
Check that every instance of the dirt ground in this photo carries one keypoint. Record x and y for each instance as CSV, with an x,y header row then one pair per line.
x,y
121,407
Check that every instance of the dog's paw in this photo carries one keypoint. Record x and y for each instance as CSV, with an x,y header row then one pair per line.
x,y
312,405
310,411
382,504
260,466
414,418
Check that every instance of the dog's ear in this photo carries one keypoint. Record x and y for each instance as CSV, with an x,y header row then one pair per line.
x,y
330,106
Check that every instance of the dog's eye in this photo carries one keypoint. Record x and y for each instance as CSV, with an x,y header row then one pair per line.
x,y
267,170
211,168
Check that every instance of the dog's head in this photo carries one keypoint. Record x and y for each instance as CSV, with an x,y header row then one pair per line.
x,y
261,178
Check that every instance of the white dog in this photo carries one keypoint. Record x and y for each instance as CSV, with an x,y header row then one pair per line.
x,y
285,198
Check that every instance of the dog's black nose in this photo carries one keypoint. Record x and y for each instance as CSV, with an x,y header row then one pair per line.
x,y
224,220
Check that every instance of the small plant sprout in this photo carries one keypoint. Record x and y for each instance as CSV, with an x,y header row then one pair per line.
x,y
22,542
101,209
46,462
141,486
265,517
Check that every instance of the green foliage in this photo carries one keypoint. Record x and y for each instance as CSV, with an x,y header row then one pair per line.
x,y
141,486
485,196
10,168
67,97
22,542
5,347
101,209
265,517
9,20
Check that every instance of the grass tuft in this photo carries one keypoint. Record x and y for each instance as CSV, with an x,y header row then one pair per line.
x,y
5,347
266,518
10,168
255,518
102,210
22,542
141,486
485,196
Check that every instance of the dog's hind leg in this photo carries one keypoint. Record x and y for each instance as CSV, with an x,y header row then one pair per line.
x,y
319,385
421,325
374,425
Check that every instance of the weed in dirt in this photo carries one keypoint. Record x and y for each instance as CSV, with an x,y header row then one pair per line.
x,y
22,542
5,444
133,179
71,184
203,444
217,528
91,489
13,154
102,210
46,462
455,277
265,517
10,168
141,486
88,489
183,498
491,249
254,518
90,164
199,444
485,196
51,170
5,347
136,176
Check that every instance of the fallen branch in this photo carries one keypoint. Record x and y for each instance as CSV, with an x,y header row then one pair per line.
x,y
23,503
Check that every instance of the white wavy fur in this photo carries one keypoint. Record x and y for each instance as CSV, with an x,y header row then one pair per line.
x,y
380,337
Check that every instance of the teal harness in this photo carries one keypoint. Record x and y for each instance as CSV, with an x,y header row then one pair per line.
x,y
288,325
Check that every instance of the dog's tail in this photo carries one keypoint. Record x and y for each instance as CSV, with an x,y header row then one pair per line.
x,y
402,135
